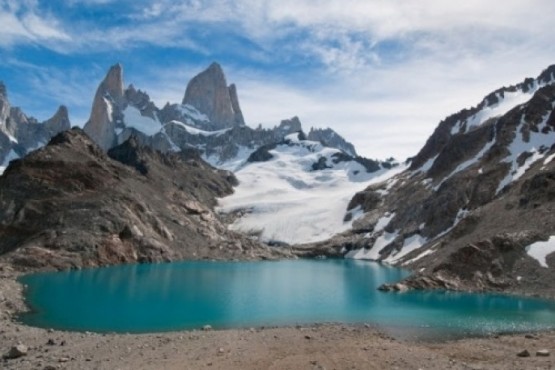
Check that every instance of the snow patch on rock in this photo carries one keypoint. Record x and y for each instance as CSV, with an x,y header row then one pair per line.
x,y
134,119
373,253
410,244
540,250
537,145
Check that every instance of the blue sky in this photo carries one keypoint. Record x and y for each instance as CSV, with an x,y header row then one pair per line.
x,y
382,73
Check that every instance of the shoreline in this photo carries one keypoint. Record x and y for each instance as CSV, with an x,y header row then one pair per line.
x,y
316,346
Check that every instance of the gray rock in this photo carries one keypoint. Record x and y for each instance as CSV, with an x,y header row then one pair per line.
x,y
235,105
523,353
101,126
208,92
59,122
17,351
542,353
330,138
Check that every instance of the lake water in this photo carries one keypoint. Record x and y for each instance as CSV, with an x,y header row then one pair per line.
x,y
187,295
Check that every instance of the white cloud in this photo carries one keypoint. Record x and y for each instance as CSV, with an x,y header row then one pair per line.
x,y
20,23
43,29
391,69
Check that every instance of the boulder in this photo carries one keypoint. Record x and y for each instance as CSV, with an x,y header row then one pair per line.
x,y
17,351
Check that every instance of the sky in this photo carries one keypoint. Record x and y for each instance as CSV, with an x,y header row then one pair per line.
x,y
382,73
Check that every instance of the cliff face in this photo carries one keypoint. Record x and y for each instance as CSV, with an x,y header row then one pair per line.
x,y
70,205
107,106
209,94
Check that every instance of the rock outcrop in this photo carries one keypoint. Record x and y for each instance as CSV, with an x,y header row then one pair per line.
x,y
209,94
107,104
70,205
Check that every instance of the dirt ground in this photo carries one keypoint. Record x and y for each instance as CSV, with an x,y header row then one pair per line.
x,y
328,346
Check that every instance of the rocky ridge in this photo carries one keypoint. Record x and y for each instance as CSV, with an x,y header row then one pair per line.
x,y
209,119
20,134
328,137
466,213
71,205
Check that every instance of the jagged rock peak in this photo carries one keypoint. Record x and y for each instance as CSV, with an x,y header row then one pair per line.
x,y
59,121
3,91
328,137
548,75
113,82
292,124
235,104
100,126
4,103
61,113
209,94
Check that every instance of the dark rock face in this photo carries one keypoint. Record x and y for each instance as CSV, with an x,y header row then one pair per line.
x,y
70,205
235,105
208,92
20,134
321,164
262,154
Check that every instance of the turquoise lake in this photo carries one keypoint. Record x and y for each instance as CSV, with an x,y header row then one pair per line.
x,y
188,295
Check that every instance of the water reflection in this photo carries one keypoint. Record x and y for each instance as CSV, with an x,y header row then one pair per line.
x,y
157,297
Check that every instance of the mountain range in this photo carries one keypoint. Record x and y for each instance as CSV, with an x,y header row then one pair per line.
x,y
209,119
472,210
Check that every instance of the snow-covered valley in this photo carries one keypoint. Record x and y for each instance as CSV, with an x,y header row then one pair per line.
x,y
286,200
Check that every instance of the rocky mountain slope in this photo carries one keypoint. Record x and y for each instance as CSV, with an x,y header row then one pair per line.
x,y
475,208
209,119
20,134
71,205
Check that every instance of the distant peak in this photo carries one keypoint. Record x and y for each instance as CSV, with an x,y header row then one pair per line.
x,y
116,67
548,75
215,66
113,82
3,91
209,94
62,112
